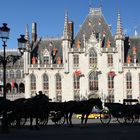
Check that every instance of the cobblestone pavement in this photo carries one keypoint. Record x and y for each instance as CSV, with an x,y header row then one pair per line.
x,y
94,130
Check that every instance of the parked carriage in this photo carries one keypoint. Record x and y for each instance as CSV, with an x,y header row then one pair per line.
x,y
128,112
43,113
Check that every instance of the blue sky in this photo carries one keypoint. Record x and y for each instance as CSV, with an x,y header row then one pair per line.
x,y
49,15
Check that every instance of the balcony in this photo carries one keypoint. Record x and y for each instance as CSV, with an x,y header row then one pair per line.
x,y
14,96
48,66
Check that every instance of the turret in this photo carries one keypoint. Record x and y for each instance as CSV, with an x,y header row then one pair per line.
x,y
26,55
67,36
70,29
66,27
34,32
27,37
119,37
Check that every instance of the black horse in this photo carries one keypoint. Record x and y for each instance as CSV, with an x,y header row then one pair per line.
x,y
30,108
5,105
81,107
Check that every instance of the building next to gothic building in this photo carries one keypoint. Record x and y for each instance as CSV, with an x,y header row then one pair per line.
x,y
93,63
15,87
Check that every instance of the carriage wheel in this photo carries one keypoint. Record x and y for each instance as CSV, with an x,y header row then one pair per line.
x,y
136,118
13,123
61,121
129,119
23,121
105,116
43,121
121,120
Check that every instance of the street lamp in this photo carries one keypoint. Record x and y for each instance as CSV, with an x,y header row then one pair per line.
x,y
4,35
22,44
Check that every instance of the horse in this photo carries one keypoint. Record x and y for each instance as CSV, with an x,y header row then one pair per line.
x,y
81,107
5,104
30,108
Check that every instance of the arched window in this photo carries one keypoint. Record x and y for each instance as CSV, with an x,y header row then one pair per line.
x,y
45,84
1,74
76,85
110,60
58,82
110,82
18,74
128,81
128,85
15,88
93,81
7,74
8,88
58,87
110,97
21,88
33,83
92,58
12,74
76,82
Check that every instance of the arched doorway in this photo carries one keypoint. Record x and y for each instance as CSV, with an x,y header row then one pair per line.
x,y
21,88
8,88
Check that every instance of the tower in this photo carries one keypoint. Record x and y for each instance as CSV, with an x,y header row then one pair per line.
x,y
119,39
27,52
34,32
66,43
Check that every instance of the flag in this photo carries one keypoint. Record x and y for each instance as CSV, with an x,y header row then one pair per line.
x,y
108,43
104,39
13,84
77,72
112,74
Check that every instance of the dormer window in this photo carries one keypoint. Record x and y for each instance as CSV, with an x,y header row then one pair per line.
x,y
46,56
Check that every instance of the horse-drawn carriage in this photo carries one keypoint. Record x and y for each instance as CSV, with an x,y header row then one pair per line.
x,y
128,112
42,110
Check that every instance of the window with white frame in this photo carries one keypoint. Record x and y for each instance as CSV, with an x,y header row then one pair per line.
x,y
128,85
110,82
110,97
76,82
93,81
45,84
33,82
58,87
58,82
18,74
92,58
11,74
110,60
75,60
128,81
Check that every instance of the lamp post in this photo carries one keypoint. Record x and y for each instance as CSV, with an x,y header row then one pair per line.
x,y
4,35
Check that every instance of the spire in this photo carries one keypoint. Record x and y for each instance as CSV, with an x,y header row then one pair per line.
x,y
119,32
34,32
65,33
27,36
27,32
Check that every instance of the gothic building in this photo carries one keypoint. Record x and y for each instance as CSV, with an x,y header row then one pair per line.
x,y
15,87
93,63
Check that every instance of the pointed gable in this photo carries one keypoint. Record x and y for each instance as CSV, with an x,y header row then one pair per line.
x,y
94,23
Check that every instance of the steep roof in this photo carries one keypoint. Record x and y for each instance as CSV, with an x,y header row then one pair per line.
x,y
135,42
48,44
96,23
